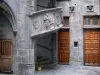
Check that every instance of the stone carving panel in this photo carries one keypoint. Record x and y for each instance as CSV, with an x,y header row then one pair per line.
x,y
48,21
31,6
37,25
45,21
58,19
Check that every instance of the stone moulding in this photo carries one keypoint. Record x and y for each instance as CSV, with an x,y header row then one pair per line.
x,y
45,32
8,12
45,10
91,26
45,21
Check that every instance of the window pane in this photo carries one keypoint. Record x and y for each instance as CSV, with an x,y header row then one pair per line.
x,y
95,21
87,21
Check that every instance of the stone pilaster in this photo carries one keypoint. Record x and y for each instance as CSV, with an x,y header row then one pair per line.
x,y
24,44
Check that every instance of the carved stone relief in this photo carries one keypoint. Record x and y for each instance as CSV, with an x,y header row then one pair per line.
x,y
48,21
58,19
31,6
36,25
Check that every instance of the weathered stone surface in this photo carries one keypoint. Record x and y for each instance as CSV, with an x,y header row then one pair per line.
x,y
45,21
23,51
70,70
76,25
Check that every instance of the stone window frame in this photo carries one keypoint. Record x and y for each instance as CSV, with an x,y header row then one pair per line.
x,y
91,20
64,19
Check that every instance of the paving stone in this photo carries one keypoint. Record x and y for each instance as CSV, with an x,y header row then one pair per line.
x,y
70,70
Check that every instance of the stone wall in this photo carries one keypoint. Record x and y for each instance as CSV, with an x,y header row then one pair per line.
x,y
76,25
23,44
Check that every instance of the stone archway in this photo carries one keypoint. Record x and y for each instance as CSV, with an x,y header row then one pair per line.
x,y
7,11
7,38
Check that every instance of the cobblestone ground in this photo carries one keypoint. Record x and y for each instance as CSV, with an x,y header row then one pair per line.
x,y
70,70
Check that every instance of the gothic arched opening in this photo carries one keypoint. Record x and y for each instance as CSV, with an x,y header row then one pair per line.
x,y
6,42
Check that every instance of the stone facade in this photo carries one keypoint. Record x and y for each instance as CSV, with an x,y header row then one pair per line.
x,y
30,28
26,27
76,25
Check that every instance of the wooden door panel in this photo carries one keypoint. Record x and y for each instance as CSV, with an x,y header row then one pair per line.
x,y
5,55
91,47
63,46
5,64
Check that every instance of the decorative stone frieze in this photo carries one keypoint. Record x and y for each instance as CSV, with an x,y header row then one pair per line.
x,y
48,21
45,21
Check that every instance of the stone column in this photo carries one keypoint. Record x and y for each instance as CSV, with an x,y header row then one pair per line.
x,y
24,44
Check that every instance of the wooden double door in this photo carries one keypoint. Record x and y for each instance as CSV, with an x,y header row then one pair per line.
x,y
92,47
5,55
63,47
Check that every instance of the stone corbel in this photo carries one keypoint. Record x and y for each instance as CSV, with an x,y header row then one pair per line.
x,y
90,8
72,9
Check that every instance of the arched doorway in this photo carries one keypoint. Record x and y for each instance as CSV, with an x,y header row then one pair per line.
x,y
6,39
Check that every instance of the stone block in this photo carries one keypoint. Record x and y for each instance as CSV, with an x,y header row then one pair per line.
x,y
25,59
